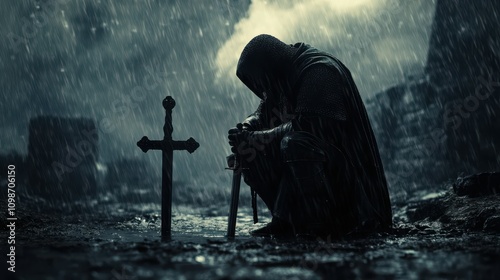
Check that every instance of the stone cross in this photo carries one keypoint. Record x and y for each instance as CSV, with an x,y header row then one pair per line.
x,y
167,146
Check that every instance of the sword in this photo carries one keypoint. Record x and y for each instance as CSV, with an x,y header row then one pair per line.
x,y
235,195
237,166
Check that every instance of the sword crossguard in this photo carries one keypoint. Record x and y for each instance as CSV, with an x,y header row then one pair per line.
x,y
189,145
236,169
234,163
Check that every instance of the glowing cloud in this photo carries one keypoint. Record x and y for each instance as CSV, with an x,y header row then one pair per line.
x,y
289,21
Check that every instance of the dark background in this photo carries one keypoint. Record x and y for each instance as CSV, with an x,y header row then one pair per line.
x,y
95,59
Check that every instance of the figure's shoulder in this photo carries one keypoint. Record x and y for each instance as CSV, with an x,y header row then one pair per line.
x,y
319,71
307,56
309,61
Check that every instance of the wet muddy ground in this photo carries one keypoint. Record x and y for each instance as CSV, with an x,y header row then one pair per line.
x,y
121,241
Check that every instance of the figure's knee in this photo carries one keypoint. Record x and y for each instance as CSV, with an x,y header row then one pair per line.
x,y
301,146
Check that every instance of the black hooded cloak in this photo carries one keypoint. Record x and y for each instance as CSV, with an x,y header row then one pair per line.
x,y
307,90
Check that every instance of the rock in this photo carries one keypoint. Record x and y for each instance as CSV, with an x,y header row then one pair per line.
x,y
492,224
431,209
448,211
476,222
460,45
478,185
442,122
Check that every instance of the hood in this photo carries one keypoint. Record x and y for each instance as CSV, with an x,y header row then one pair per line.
x,y
263,66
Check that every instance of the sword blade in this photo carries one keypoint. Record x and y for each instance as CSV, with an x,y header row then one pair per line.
x,y
233,210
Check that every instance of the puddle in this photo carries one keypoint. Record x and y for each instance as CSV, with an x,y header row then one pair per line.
x,y
122,242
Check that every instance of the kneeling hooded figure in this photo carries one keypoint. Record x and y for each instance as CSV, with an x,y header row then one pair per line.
x,y
309,148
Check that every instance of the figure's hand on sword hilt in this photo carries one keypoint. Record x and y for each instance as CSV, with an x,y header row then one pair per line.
x,y
236,137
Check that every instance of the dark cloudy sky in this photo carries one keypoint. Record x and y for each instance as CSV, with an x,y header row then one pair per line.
x,y
114,61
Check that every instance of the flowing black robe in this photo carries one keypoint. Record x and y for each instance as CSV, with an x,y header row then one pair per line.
x,y
306,90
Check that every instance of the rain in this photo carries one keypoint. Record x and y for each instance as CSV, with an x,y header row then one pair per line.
x,y
83,82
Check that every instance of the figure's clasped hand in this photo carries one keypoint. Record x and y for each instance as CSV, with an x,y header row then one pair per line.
x,y
238,137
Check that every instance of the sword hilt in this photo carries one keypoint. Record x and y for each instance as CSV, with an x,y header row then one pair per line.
x,y
235,161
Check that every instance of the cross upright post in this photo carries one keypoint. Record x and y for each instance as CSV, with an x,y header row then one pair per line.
x,y
167,146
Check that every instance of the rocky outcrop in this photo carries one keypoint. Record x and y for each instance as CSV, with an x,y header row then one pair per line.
x,y
464,42
443,122
478,185
469,204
